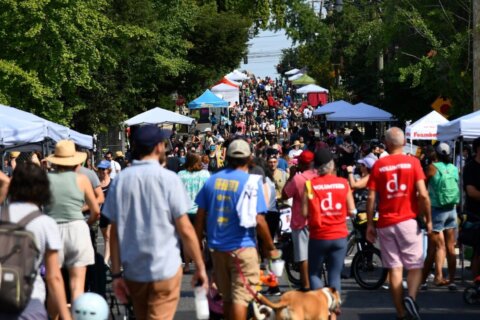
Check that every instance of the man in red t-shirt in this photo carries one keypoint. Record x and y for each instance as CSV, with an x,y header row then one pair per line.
x,y
399,182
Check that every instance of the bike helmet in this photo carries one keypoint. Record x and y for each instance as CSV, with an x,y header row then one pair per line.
x,y
90,306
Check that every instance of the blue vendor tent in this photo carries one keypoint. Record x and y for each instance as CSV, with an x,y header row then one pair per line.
x,y
208,100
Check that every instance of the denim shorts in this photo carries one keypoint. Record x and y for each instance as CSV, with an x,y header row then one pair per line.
x,y
443,219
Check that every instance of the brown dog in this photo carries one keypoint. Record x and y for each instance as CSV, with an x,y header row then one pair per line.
x,y
296,305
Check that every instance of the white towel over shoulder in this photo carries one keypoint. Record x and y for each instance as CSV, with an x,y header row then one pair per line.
x,y
247,204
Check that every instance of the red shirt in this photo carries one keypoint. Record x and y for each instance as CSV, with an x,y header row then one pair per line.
x,y
393,178
327,217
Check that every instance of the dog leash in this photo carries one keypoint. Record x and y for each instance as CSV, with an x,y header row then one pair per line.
x,y
242,276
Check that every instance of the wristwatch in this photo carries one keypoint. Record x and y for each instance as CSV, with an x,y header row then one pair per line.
x,y
117,275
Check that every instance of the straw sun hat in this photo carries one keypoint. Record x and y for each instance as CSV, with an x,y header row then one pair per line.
x,y
65,154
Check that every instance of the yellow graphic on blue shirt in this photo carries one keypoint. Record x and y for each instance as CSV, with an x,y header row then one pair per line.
x,y
223,186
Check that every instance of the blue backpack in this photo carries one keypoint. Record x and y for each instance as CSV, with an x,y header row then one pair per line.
x,y
448,191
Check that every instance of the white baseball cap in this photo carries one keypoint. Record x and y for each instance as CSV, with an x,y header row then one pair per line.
x,y
368,162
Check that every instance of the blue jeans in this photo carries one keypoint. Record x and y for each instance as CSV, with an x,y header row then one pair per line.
x,y
333,253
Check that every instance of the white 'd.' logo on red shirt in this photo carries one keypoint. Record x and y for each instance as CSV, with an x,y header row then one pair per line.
x,y
392,186
327,203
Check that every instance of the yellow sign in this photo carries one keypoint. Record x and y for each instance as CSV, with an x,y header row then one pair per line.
x,y
442,106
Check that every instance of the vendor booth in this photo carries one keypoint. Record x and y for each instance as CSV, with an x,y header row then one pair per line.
x,y
159,116
316,95
236,75
360,112
303,80
333,107
425,128
205,102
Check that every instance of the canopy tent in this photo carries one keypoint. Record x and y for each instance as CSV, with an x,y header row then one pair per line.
x,y
311,88
425,128
229,82
236,75
467,127
333,107
51,129
361,112
208,100
159,116
292,72
303,80
15,131
295,76
229,93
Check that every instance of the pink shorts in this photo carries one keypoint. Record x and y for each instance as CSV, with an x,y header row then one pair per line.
x,y
402,245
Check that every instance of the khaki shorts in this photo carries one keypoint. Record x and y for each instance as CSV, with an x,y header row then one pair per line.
x,y
77,248
229,281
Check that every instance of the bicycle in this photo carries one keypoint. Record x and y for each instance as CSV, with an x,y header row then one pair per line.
x,y
471,294
366,268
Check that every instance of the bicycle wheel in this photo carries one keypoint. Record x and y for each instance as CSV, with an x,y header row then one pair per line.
x,y
470,295
368,270
293,272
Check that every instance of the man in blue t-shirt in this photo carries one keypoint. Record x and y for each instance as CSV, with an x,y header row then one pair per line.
x,y
230,204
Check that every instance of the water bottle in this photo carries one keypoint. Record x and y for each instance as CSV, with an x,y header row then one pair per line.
x,y
201,303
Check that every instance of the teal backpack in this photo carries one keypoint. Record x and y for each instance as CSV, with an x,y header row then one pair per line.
x,y
448,192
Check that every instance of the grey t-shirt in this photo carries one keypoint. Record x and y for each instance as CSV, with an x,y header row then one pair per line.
x,y
144,202
91,175
47,236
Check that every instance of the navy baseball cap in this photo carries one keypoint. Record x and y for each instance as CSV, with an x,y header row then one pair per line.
x,y
149,135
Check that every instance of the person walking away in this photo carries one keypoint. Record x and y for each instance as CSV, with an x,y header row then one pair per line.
x,y
147,207
193,178
295,188
105,181
444,192
471,184
70,190
231,205
326,201
29,191
399,181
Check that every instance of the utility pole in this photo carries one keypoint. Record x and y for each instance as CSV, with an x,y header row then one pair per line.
x,y
476,55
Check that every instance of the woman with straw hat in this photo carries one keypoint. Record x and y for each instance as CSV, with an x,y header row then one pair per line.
x,y
70,190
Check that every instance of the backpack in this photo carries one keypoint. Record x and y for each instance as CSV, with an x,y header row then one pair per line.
x,y
18,268
448,192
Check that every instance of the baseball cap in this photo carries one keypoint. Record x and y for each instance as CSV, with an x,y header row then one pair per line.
x,y
306,157
443,148
104,164
149,135
207,130
368,162
322,157
238,149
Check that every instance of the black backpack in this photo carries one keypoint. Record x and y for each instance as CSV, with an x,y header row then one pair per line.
x,y
18,256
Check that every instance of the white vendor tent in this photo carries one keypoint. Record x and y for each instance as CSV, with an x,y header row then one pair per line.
x,y
295,76
51,129
333,107
227,92
159,116
361,112
425,128
311,88
15,131
467,127
292,72
236,75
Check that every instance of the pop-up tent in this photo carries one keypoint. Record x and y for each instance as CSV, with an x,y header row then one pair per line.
x,y
295,76
208,100
425,128
292,72
227,92
311,88
361,112
467,127
159,116
303,80
51,130
15,131
333,107
236,75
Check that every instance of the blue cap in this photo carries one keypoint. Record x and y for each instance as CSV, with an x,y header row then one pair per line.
x,y
149,135
104,164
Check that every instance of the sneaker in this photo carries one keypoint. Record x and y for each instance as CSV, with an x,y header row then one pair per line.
x,y
424,286
412,307
452,287
272,291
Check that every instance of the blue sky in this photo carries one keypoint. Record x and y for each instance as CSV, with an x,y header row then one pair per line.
x,y
264,53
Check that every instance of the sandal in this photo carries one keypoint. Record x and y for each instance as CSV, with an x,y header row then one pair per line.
x,y
441,283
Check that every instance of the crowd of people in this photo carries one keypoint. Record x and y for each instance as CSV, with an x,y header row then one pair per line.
x,y
229,185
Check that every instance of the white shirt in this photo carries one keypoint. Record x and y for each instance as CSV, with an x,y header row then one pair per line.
x,y
115,168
